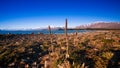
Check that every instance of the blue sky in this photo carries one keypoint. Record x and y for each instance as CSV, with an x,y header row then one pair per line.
x,y
27,14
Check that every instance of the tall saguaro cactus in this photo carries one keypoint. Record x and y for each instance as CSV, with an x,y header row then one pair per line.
x,y
66,35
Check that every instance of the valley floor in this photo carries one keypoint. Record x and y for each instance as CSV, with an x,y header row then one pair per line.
x,y
95,49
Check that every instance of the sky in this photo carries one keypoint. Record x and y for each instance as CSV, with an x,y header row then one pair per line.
x,y
32,14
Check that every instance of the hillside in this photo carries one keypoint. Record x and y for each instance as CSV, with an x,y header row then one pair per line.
x,y
102,25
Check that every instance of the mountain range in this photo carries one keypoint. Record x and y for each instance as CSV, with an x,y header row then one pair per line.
x,y
101,25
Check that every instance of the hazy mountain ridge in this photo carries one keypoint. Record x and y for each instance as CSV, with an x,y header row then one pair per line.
x,y
102,25
98,25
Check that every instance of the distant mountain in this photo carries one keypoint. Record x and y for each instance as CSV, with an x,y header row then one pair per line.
x,y
101,25
52,28
36,29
